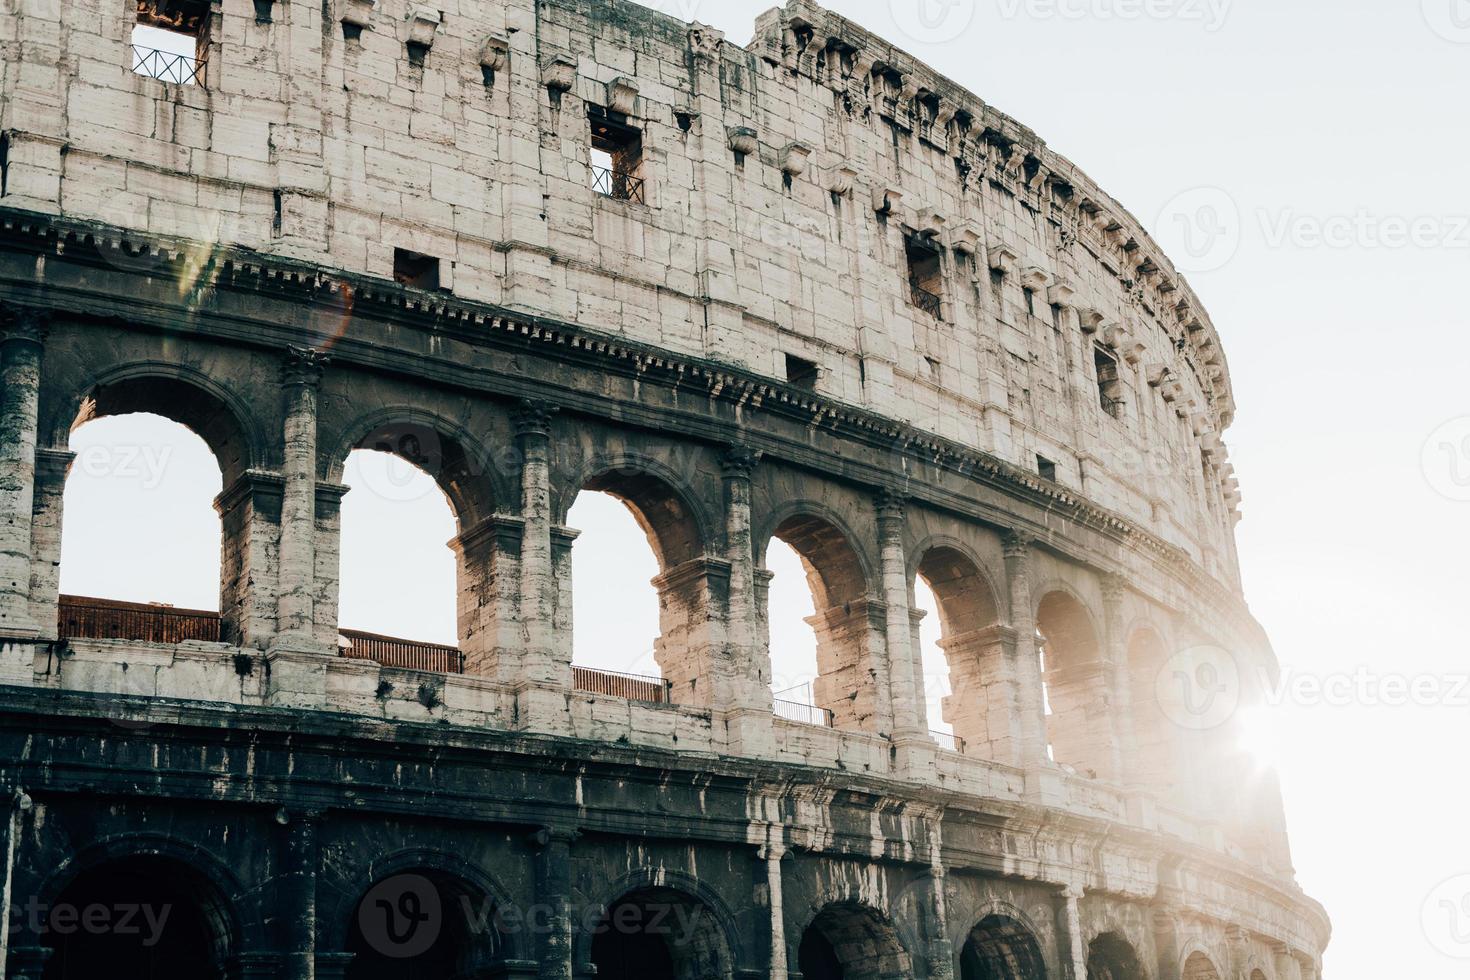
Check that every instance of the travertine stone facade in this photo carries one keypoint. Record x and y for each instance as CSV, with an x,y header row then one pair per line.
x,y
817,294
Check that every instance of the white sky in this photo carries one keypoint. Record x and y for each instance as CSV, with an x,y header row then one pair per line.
x,y
1297,117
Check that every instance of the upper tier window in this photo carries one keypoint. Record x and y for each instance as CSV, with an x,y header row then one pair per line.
x,y
1109,385
926,276
170,40
617,157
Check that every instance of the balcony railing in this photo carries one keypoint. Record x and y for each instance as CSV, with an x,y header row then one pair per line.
x,y
926,301
388,651
804,714
82,618
630,687
949,742
617,185
166,66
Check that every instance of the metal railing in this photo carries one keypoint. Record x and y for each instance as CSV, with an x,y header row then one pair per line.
x,y
617,185
388,651
948,741
83,618
167,66
805,714
630,687
925,300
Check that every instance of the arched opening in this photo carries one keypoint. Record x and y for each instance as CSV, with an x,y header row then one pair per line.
x,y
643,591
1258,975
1199,967
847,941
153,456
792,645
1079,706
138,917
1156,738
1000,948
406,592
849,690
970,647
1111,957
424,924
660,934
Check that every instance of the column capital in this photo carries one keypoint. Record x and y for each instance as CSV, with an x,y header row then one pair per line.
x,y
738,461
1114,587
1016,543
891,506
532,417
304,366
24,325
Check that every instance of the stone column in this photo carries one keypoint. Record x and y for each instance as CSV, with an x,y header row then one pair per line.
x,y
691,646
15,807
773,852
1025,665
985,708
545,667
936,924
22,336
250,519
899,627
295,608
299,893
52,467
326,595
555,943
1124,748
488,578
853,672
749,661
1166,938
1073,951
563,623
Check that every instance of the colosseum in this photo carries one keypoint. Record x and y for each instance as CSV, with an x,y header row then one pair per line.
x,y
806,290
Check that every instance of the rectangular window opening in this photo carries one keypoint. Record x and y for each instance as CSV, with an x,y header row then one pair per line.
x,y
1109,385
617,157
415,270
171,40
802,373
926,275
1046,468
1030,295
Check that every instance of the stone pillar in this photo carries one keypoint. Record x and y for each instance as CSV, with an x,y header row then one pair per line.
x,y
898,627
555,943
921,677
295,608
299,894
1167,940
326,595
985,708
852,682
250,521
52,467
773,852
22,336
690,648
748,718
936,925
1124,748
1073,951
1288,967
1025,665
488,577
15,807
563,622
545,668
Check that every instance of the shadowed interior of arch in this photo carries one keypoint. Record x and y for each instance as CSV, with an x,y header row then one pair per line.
x,y
424,924
1111,957
1199,967
847,941
660,934
177,923
1000,948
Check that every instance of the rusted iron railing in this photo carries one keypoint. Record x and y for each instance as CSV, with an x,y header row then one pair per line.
x,y
805,714
617,185
80,617
632,687
167,66
949,741
388,651
926,301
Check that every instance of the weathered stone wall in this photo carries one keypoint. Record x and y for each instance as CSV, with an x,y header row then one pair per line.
x,y
303,143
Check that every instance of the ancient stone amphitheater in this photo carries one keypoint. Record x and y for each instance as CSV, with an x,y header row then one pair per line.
x,y
804,290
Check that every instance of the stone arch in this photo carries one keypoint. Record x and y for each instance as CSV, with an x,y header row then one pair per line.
x,y
218,920
975,645
849,623
1258,974
465,469
666,925
1199,966
1077,684
668,510
1001,947
1110,956
850,940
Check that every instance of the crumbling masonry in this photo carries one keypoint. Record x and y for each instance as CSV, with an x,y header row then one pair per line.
x,y
805,290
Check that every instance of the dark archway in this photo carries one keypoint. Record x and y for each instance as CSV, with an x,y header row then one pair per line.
x,y
847,941
139,918
660,934
1001,948
1111,957
423,924
1199,967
